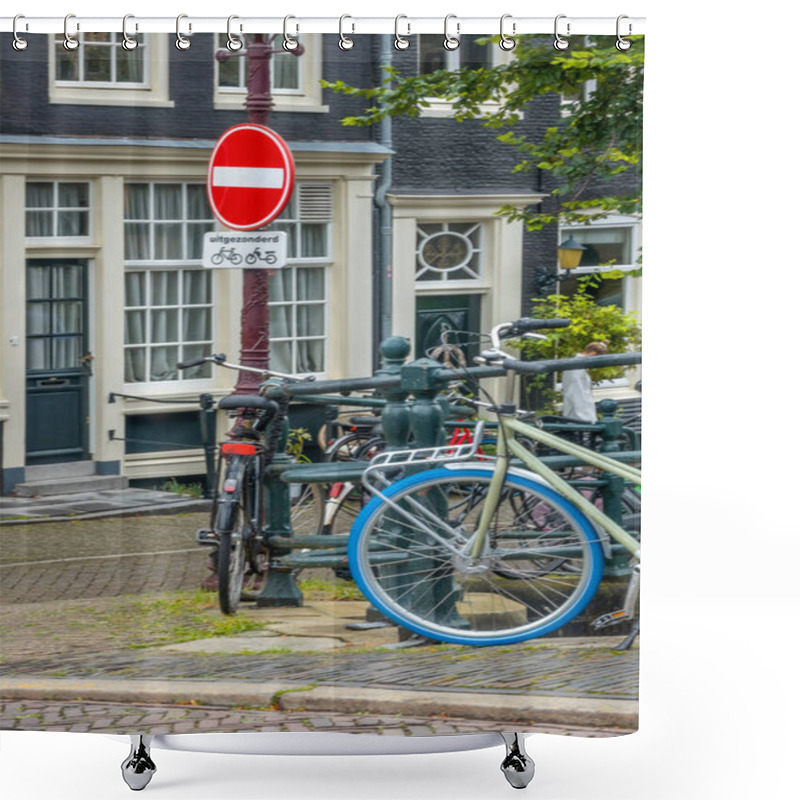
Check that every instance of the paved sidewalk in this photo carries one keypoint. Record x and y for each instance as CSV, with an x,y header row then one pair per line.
x,y
85,613
95,505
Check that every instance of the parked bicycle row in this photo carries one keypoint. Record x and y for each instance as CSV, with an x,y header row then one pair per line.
x,y
487,529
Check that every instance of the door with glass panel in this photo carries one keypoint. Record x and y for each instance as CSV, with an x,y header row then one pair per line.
x,y
58,364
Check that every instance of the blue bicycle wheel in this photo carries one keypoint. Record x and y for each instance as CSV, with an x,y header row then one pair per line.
x,y
417,558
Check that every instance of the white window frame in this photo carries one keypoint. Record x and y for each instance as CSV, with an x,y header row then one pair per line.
x,y
307,98
152,91
297,263
180,265
55,240
463,284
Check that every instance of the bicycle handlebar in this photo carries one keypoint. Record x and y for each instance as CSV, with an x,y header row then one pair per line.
x,y
221,360
579,362
526,324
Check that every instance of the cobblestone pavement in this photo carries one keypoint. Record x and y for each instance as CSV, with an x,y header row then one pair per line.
x,y
519,669
125,718
100,558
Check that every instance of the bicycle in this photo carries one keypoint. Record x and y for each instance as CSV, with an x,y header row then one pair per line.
x,y
482,553
238,515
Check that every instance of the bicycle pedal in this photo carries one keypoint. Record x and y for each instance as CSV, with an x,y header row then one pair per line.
x,y
206,536
612,618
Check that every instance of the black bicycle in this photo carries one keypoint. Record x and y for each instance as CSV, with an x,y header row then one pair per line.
x,y
238,516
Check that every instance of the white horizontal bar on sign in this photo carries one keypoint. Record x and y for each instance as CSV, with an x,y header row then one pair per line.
x,y
248,177
353,25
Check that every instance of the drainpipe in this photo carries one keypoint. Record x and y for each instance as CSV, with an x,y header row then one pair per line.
x,y
384,266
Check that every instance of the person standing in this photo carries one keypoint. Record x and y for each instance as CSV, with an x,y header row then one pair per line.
x,y
576,386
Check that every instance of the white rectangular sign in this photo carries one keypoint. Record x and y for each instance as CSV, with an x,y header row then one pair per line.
x,y
245,249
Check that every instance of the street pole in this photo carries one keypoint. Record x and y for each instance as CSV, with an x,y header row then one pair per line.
x,y
258,51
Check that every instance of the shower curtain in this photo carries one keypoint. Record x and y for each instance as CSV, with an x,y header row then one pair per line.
x,y
428,214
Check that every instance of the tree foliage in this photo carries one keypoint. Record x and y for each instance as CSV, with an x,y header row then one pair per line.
x,y
599,135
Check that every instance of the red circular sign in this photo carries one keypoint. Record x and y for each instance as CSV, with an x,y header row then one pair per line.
x,y
250,177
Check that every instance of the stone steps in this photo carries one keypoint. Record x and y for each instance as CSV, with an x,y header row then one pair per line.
x,y
70,485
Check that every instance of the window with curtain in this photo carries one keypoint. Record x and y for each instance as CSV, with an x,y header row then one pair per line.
x,y
56,209
285,72
101,60
168,296
298,293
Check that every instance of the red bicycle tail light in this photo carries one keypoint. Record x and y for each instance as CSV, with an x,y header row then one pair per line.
x,y
238,449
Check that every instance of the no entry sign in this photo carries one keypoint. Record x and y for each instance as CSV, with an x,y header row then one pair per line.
x,y
250,177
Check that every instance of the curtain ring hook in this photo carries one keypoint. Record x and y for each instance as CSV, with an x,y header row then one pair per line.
x,y
622,43
128,42
181,42
19,43
400,42
560,42
290,43
506,42
451,42
345,42
234,43
70,42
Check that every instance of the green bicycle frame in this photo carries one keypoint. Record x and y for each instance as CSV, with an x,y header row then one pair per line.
x,y
507,446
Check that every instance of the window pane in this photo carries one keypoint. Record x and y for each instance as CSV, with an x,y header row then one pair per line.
x,y
135,327
310,356
66,63
73,195
137,201
280,356
66,352
165,289
310,283
68,316
38,282
135,289
137,241
289,228
97,63
310,320
168,241
38,318
314,241
197,202
168,201
604,246
39,195
196,287
229,72
67,281
196,324
38,354
280,286
73,223
135,365
474,55
130,65
432,55
286,72
39,223
194,238
162,363
164,326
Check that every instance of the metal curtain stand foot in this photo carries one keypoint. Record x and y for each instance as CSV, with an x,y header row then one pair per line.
x,y
517,766
138,768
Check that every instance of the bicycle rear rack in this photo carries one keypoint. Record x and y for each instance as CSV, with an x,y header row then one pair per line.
x,y
375,475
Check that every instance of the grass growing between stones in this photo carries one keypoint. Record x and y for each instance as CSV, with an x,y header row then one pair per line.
x,y
184,617
321,589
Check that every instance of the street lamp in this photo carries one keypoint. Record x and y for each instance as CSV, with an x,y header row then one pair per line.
x,y
569,256
255,310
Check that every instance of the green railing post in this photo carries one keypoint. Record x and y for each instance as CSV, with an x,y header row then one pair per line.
x,y
280,588
208,420
395,417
